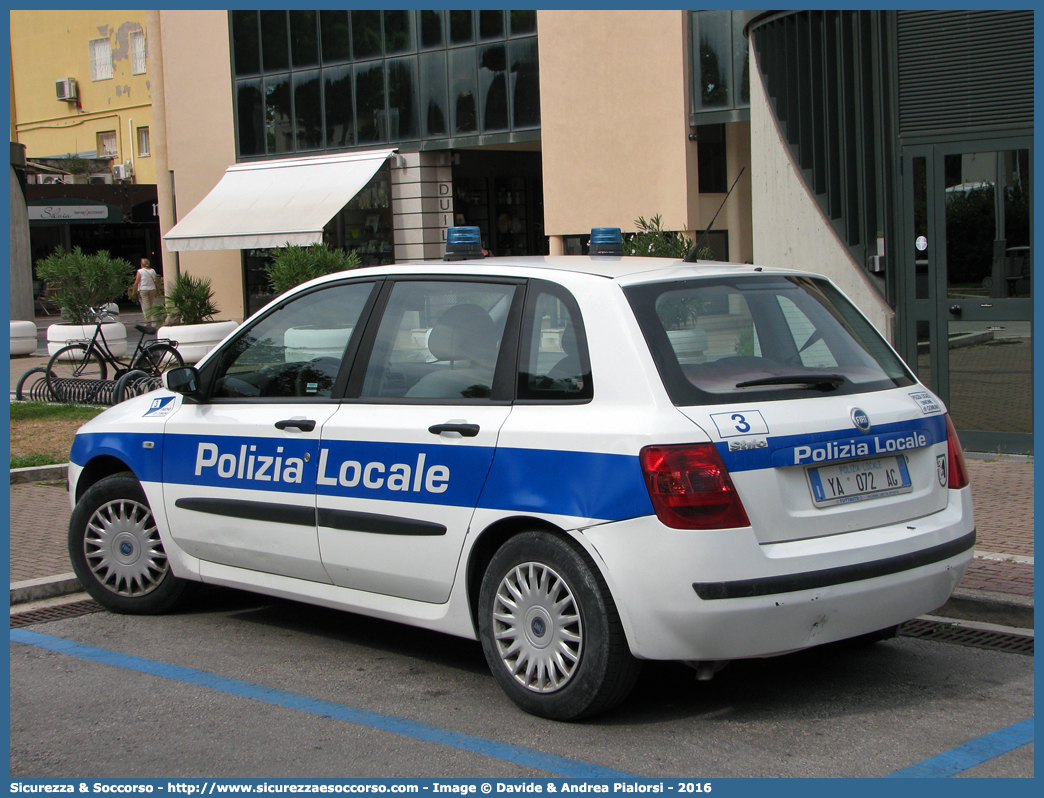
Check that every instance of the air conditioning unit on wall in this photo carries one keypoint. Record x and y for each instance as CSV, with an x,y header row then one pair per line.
x,y
46,180
122,171
65,88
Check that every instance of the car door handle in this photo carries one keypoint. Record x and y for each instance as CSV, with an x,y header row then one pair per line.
x,y
466,430
303,424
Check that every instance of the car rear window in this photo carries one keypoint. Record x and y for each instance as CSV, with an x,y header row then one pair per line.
x,y
761,337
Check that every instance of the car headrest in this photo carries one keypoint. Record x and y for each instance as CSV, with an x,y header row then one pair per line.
x,y
464,332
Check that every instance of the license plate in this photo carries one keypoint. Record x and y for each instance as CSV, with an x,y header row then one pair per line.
x,y
859,480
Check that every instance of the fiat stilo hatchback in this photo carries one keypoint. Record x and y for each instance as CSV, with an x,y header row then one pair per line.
x,y
582,462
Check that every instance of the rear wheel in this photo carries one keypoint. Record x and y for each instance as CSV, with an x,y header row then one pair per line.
x,y
72,362
158,358
116,549
550,630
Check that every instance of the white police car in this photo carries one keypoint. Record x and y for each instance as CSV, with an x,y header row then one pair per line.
x,y
584,462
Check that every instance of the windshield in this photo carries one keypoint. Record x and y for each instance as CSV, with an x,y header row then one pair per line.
x,y
761,337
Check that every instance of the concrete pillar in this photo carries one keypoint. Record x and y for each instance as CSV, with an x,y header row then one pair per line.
x,y
164,192
422,204
21,251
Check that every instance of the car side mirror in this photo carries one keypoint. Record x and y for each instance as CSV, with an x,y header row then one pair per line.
x,y
184,380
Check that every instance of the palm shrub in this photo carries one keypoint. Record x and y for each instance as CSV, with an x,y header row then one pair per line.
x,y
189,301
83,281
677,310
294,265
653,241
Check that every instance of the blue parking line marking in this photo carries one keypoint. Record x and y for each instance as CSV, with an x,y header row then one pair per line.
x,y
328,709
969,754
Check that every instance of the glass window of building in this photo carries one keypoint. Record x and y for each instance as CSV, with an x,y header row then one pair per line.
x,y
309,81
144,148
137,52
720,81
107,144
710,157
246,48
101,59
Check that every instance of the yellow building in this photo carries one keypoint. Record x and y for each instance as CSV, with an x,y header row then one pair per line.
x,y
80,84
81,106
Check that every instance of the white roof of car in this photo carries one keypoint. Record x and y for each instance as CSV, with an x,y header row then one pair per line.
x,y
625,270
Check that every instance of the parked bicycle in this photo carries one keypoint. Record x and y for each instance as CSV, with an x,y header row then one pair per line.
x,y
90,360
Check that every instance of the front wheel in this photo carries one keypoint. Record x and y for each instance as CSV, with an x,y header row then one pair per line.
x,y
158,358
73,362
550,630
116,550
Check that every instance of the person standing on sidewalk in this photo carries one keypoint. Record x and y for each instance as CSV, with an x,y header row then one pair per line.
x,y
145,285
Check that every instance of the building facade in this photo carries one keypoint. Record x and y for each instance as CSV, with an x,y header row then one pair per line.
x,y
901,144
890,150
494,117
81,106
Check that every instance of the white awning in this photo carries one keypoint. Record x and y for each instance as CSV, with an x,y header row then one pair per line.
x,y
272,203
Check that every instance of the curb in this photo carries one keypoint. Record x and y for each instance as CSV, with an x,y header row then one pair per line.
x,y
44,588
989,607
38,473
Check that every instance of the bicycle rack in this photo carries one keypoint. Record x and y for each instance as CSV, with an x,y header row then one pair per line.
x,y
82,391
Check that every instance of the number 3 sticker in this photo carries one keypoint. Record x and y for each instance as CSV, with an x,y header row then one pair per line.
x,y
740,422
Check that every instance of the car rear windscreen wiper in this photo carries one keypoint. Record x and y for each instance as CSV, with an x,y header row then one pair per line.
x,y
821,382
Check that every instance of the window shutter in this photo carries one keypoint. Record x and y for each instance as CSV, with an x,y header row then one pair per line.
x,y
964,70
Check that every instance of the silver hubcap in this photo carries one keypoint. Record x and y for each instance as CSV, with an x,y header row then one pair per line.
x,y
537,629
123,548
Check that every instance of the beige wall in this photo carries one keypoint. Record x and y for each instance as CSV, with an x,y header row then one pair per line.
x,y
790,230
50,45
200,141
614,108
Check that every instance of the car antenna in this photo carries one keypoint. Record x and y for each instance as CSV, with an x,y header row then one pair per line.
x,y
692,256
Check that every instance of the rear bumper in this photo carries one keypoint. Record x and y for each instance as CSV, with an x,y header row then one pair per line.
x,y
830,577
713,595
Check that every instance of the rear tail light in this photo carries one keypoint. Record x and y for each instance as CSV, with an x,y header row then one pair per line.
x,y
955,465
690,487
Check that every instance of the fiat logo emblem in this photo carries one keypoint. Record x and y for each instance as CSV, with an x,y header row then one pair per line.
x,y
860,419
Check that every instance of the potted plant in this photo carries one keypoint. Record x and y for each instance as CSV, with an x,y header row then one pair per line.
x,y
187,313
294,265
679,312
23,338
81,282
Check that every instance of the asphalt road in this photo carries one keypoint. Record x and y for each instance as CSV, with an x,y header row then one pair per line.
x,y
247,697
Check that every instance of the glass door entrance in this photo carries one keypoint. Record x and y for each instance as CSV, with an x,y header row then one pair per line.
x,y
968,291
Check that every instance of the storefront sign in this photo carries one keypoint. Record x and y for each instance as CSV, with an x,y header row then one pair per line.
x,y
58,213
445,190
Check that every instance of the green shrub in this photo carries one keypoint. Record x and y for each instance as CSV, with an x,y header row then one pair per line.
x,y
189,301
84,281
653,241
294,265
